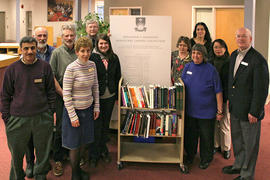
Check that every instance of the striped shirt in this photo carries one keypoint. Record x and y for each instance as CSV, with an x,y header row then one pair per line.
x,y
80,87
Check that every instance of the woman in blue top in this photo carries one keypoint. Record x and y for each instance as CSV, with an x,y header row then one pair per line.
x,y
203,106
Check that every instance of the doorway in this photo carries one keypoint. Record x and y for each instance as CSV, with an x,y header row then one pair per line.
x,y
2,26
222,21
28,23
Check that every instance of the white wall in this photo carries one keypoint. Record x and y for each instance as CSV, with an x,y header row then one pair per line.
x,y
39,16
10,21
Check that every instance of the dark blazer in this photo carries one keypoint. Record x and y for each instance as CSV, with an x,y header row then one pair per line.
x,y
109,77
248,90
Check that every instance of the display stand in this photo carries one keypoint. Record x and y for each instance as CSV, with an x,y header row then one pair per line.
x,y
165,149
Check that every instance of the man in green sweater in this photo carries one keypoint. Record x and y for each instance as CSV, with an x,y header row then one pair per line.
x,y
27,98
60,59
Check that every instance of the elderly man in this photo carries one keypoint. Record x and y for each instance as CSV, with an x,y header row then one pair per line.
x,y
92,30
60,59
44,52
28,97
248,89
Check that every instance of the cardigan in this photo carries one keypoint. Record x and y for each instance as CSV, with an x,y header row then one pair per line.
x,y
110,77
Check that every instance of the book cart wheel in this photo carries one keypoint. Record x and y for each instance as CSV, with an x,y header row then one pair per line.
x,y
184,169
119,165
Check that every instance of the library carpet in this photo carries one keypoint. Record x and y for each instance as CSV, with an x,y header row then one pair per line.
x,y
149,171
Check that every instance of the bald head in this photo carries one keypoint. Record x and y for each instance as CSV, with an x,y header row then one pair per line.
x,y
243,38
41,35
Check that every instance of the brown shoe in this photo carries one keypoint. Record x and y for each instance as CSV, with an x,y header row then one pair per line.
x,y
58,169
82,162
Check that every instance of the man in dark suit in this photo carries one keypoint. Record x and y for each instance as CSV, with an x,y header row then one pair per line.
x,y
248,89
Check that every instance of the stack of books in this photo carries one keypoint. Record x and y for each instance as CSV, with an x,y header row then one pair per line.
x,y
156,97
145,124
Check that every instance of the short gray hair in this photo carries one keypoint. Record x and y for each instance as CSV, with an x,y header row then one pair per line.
x,y
201,48
70,27
91,21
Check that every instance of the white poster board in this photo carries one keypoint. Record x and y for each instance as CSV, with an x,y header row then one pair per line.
x,y
143,45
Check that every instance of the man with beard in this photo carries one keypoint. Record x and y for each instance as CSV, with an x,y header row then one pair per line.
x,y
44,52
60,59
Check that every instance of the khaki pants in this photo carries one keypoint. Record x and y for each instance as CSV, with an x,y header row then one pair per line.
x,y
19,131
223,131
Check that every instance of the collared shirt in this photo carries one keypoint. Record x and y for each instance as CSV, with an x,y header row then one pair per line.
x,y
42,54
27,62
239,58
46,56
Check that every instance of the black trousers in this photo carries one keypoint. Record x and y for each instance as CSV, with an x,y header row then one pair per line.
x,y
58,150
101,130
202,129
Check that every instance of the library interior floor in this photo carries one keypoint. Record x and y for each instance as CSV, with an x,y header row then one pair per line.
x,y
147,171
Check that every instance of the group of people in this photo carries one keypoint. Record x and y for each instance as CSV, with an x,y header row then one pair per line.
x,y
74,87
57,102
225,97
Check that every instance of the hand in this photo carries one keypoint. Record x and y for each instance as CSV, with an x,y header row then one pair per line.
x,y
252,119
75,123
54,119
96,115
219,117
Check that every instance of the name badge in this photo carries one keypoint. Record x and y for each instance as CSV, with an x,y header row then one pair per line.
x,y
189,72
244,63
37,80
91,69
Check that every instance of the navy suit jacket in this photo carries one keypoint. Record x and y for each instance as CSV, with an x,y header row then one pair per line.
x,y
248,90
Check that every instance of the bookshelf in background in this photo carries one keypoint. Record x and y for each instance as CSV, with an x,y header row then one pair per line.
x,y
151,124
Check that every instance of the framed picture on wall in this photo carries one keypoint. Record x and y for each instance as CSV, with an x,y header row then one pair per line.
x,y
60,10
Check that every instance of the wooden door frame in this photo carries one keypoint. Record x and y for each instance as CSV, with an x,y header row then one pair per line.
x,y
194,8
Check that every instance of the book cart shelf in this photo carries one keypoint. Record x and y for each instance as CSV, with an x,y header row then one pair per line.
x,y
165,149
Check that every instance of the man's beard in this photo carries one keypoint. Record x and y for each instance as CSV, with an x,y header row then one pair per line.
x,y
41,45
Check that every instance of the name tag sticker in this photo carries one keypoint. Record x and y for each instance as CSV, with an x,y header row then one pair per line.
x,y
38,81
189,72
244,63
91,69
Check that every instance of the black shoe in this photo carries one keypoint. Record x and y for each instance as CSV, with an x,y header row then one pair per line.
x,y
84,175
216,149
227,154
188,160
93,163
230,170
29,172
204,165
106,157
